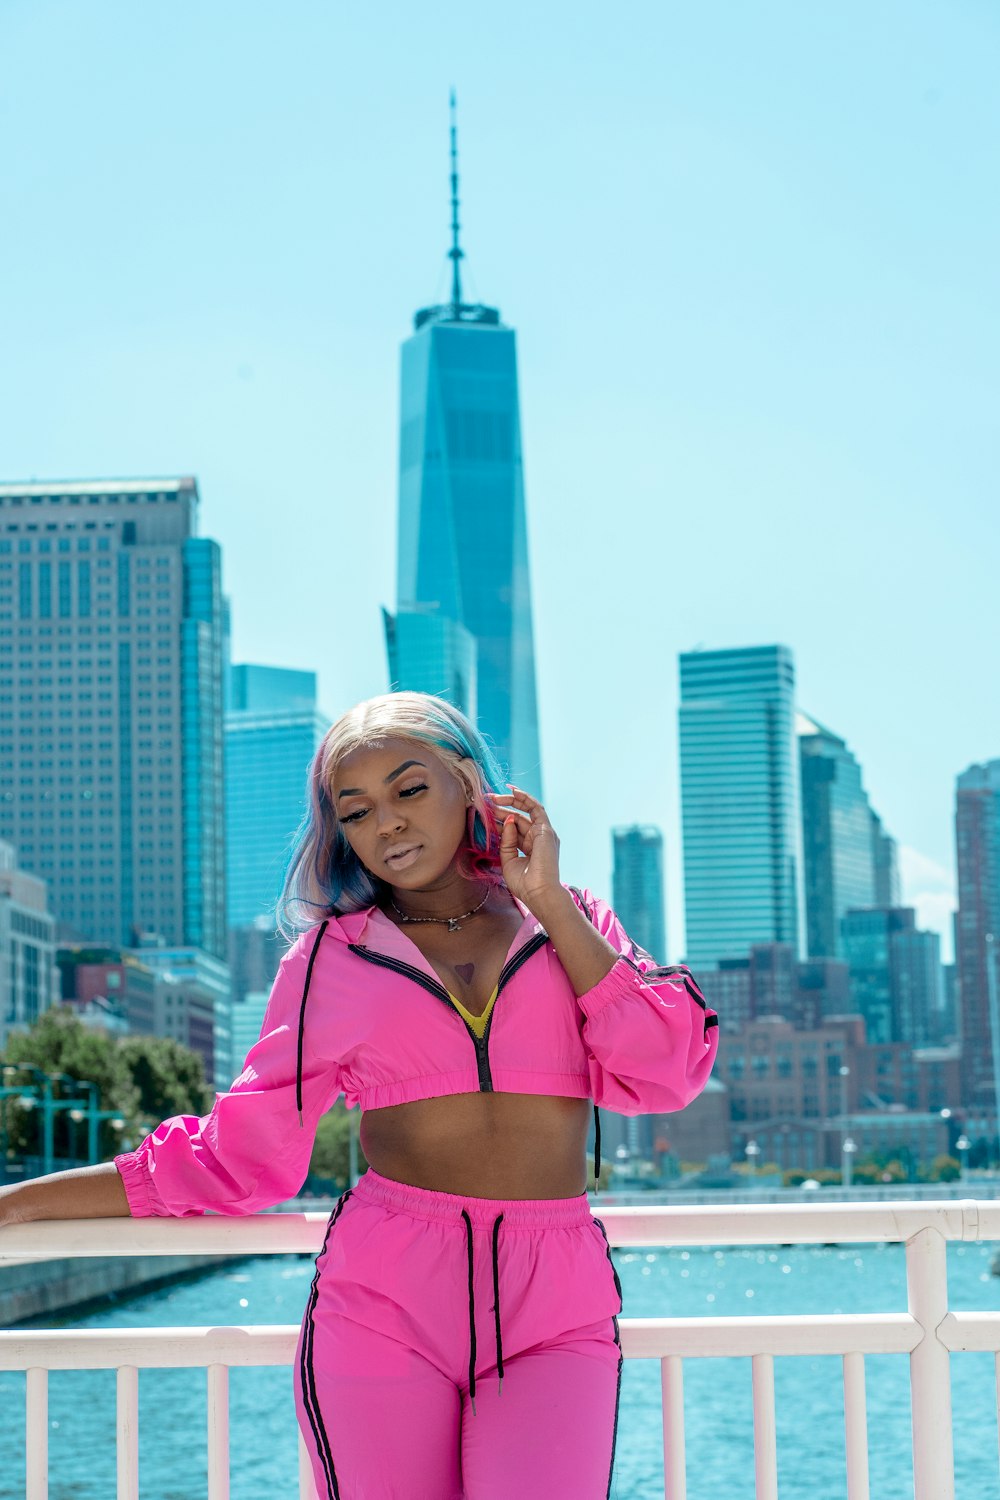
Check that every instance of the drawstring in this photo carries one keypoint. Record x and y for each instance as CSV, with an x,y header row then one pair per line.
x,y
472,1305
302,1018
496,1301
472,1316
597,1150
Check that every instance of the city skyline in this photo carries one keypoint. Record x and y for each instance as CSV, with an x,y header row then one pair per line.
x,y
775,426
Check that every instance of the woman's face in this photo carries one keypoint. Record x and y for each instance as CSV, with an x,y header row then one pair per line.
x,y
402,810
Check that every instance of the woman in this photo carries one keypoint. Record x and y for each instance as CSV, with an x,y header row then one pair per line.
x,y
473,1006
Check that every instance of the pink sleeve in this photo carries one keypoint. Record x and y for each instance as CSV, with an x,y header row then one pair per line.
x,y
651,1039
251,1151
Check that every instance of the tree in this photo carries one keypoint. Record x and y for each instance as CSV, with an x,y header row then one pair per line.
x,y
170,1078
60,1043
330,1161
144,1079
944,1169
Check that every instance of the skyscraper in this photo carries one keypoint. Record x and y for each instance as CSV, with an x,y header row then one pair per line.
x,y
463,550
111,767
273,729
637,897
837,837
740,802
868,938
29,980
977,829
637,886
885,852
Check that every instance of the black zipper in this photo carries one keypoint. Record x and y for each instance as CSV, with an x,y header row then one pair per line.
x,y
434,986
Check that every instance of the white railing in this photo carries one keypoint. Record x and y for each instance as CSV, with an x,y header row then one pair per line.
x,y
928,1332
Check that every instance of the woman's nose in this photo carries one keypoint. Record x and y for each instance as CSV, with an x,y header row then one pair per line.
x,y
390,820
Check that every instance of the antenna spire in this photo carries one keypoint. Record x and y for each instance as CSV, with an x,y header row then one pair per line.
x,y
455,254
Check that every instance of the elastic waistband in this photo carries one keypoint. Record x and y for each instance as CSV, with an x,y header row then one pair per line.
x,y
518,1213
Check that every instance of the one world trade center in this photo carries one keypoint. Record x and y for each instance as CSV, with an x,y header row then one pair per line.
x,y
462,628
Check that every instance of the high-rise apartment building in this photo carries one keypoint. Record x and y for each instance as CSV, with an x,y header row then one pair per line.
x,y
838,852
463,547
977,932
740,802
111,724
637,886
273,729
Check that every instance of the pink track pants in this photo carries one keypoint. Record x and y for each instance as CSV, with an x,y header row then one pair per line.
x,y
460,1349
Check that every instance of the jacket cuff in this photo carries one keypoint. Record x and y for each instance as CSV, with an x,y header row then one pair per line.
x,y
620,979
135,1180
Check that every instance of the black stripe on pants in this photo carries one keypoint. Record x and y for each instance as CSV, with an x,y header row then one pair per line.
x,y
309,1397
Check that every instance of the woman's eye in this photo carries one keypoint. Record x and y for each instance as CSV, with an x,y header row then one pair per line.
x,y
353,817
409,790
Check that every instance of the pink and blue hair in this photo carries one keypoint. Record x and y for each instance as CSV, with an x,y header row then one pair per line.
x,y
324,876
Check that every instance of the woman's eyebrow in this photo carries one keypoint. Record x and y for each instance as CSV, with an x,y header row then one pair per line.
x,y
357,791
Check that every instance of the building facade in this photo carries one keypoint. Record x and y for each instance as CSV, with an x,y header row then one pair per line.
x,y
29,979
868,948
637,886
740,803
977,933
111,724
430,653
885,853
837,843
273,729
463,545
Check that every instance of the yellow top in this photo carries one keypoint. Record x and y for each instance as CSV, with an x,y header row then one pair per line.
x,y
478,1023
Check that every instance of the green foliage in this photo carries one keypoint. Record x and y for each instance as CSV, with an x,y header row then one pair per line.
x,y
60,1043
944,1168
144,1079
330,1161
796,1176
607,1175
170,1078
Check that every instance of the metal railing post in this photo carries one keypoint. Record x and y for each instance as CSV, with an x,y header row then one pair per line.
x,y
48,1122
930,1370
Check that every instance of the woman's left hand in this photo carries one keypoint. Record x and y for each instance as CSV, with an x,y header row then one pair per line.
x,y
531,875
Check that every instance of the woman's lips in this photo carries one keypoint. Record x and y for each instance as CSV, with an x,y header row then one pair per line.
x,y
400,861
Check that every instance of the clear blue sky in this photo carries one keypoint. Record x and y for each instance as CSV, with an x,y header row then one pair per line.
x,y
751,254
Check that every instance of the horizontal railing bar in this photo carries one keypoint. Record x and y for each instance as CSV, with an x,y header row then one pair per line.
x,y
715,1338
964,1332
642,1338
749,1224
148,1348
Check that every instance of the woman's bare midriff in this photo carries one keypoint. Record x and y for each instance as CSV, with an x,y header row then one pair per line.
x,y
482,1145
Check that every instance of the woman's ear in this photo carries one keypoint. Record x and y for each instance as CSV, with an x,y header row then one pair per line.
x,y
469,774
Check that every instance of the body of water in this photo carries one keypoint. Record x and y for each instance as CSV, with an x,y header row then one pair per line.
x,y
718,1410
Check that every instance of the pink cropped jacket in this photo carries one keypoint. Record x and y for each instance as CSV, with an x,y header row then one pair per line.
x,y
357,1010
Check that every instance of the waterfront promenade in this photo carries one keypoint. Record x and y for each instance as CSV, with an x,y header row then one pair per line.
x,y
919,1323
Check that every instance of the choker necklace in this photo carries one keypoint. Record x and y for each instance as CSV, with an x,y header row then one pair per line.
x,y
454,923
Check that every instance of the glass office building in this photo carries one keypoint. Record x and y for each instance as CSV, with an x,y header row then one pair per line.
x,y
740,803
637,886
868,948
429,653
838,848
111,770
273,729
637,897
977,831
463,546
